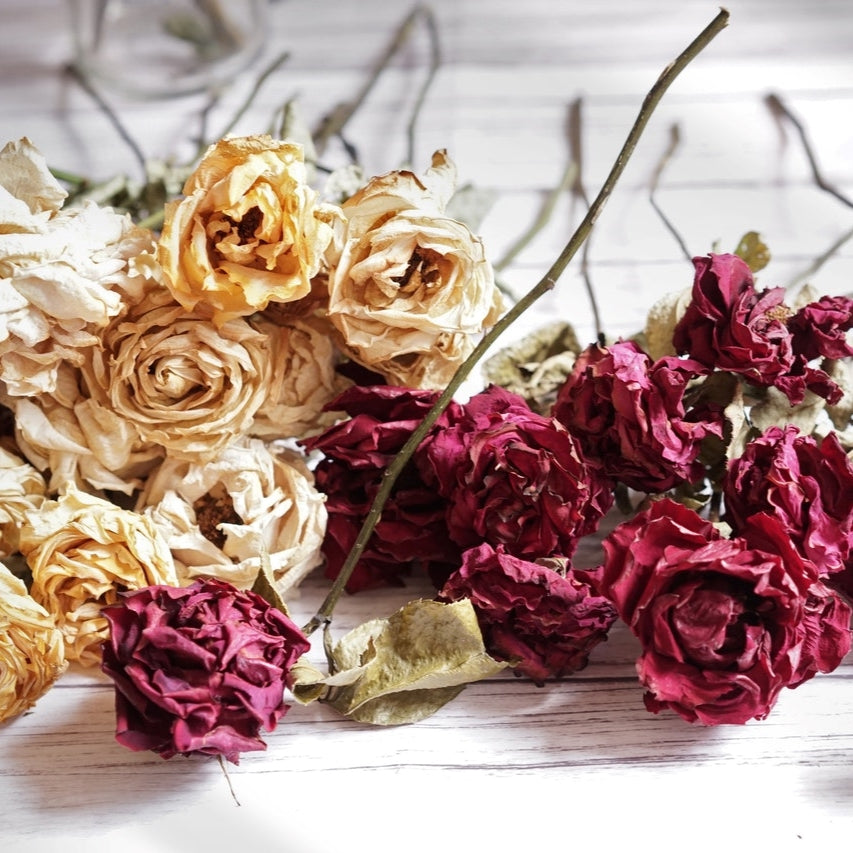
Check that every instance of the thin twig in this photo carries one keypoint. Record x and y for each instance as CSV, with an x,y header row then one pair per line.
x,y
434,64
575,133
674,142
779,109
108,111
545,284
820,260
333,123
227,776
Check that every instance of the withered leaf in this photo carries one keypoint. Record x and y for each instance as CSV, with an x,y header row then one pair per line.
x,y
753,251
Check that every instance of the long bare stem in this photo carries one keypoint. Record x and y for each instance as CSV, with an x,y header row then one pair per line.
x,y
545,284
674,142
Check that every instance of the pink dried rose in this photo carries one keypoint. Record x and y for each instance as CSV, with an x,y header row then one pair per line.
x,y
515,478
725,624
546,622
732,326
819,328
412,530
628,413
199,669
806,484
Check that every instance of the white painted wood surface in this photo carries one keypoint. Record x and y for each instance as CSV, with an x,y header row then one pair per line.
x,y
506,766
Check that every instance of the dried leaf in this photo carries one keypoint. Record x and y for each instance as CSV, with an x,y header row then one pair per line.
x,y
841,372
470,204
404,668
776,410
264,584
753,251
536,366
662,320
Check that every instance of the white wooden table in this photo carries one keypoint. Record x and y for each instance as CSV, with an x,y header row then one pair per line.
x,y
506,766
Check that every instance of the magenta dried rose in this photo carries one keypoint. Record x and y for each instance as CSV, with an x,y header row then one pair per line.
x,y
542,620
628,413
412,529
806,484
725,624
819,328
515,478
732,326
198,669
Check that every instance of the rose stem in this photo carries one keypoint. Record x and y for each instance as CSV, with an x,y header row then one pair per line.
x,y
333,123
674,142
389,476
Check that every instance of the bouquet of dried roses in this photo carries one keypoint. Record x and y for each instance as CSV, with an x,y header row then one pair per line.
x,y
196,417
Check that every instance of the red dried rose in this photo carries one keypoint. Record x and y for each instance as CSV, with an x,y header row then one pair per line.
x,y
628,414
731,326
807,485
515,478
819,328
543,621
725,624
198,669
357,451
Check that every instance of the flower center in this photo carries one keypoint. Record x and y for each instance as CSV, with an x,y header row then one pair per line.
x,y
212,509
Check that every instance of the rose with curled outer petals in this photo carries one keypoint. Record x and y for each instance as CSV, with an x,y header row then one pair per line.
x,y
411,530
545,622
514,478
199,669
724,624
807,485
819,328
627,411
248,232
410,289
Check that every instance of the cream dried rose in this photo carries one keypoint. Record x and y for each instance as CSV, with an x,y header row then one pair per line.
x,y
249,230
83,551
182,381
22,487
410,288
32,652
304,379
62,272
219,518
73,438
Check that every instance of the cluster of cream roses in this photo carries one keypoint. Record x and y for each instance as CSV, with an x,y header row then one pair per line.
x,y
152,385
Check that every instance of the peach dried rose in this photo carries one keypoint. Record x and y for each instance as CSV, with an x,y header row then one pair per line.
x,y
219,518
32,653
22,487
410,288
249,230
62,272
83,551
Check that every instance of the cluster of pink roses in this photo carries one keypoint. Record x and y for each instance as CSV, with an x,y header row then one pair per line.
x,y
496,497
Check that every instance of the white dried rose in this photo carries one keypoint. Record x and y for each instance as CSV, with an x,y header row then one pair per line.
x,y
62,272
410,289
221,517
303,381
183,382
83,551
32,652
22,487
248,232
76,439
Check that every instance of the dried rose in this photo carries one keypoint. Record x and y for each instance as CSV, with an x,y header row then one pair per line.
x,y
32,652
807,485
543,621
724,625
514,478
731,326
411,530
220,518
63,272
83,551
628,414
303,380
410,288
73,438
183,382
21,488
248,232
199,670
819,328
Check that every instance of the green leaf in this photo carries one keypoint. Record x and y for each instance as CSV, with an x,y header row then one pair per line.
x,y
753,251
402,669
